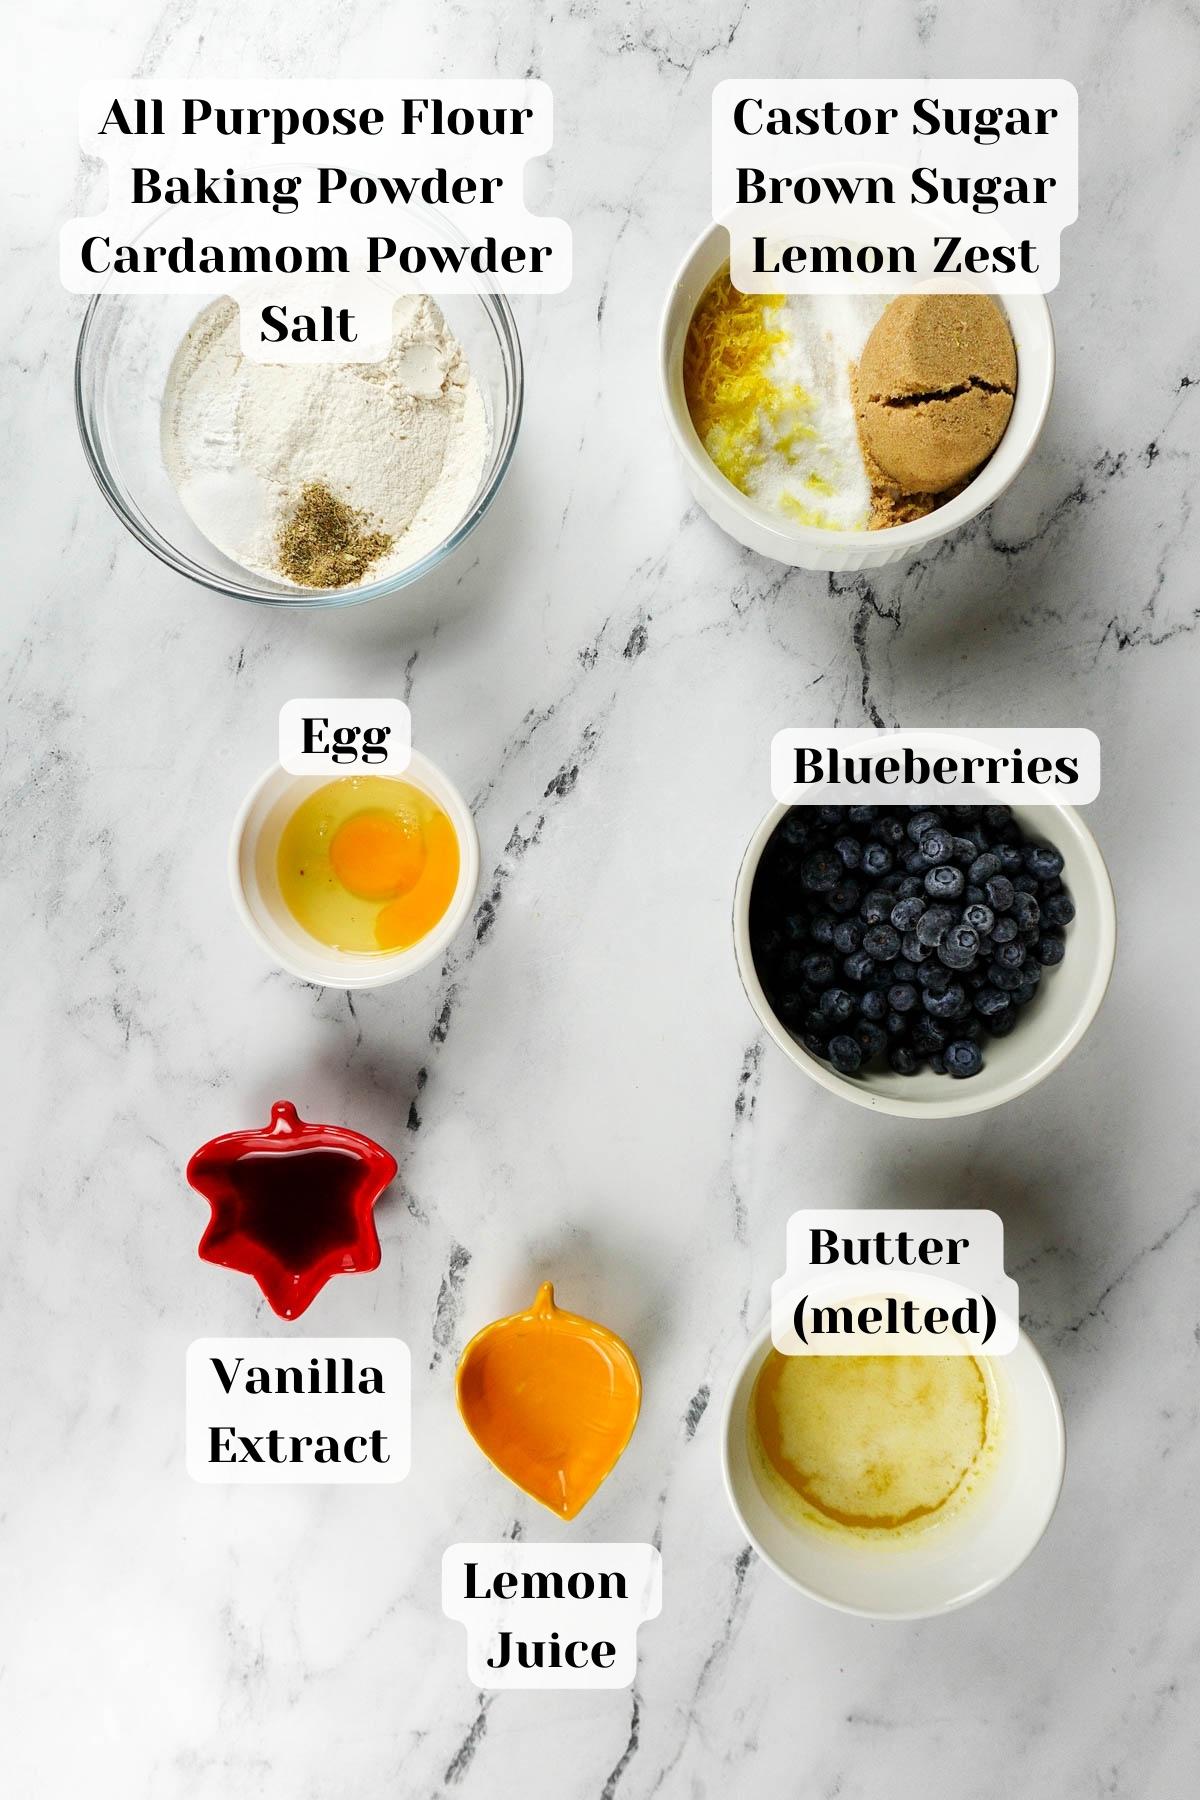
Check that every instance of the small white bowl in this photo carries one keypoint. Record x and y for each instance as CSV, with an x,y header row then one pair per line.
x,y
947,1567
254,847
1050,1027
806,546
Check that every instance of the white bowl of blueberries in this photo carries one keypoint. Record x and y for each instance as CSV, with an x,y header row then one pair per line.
x,y
925,961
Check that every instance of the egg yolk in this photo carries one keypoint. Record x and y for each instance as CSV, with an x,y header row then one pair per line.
x,y
377,855
409,916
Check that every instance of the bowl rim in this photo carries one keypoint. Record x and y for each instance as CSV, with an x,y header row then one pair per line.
x,y
961,1101
364,971
1025,1346
505,326
982,491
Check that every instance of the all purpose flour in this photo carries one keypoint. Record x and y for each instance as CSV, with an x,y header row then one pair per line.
x,y
402,441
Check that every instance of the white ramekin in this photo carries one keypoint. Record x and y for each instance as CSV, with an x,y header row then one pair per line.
x,y
806,546
1049,1029
954,1563
254,847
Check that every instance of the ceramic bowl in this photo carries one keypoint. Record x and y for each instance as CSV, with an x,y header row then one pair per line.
x,y
808,547
254,847
952,1564
1050,1026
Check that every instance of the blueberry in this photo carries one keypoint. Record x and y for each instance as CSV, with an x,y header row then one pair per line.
x,y
882,942
964,851
937,1063
1009,956
1049,951
795,828
934,977
974,896
1043,861
849,850
831,815
861,815
933,925
980,918
820,872
1059,909
876,859
903,996
959,948
845,897
990,1002
1004,930
837,1006
902,1060
816,1046
1026,884
917,863
1003,1023
767,942
890,831
847,935
983,866
1008,980
963,1059
1024,994
873,1005
872,1038
903,970
945,882
1011,860
937,844
997,816
906,912
911,886
920,823
913,949
896,1025
927,1035
999,890
947,1005
876,909
891,884
845,1053
858,966
817,970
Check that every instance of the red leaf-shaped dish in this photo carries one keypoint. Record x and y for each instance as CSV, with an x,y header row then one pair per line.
x,y
291,1204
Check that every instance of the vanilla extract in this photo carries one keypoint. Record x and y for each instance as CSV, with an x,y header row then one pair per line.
x,y
322,1375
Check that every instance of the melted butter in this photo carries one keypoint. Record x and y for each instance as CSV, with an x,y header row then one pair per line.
x,y
871,1446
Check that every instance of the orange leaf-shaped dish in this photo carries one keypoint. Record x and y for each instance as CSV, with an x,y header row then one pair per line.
x,y
551,1399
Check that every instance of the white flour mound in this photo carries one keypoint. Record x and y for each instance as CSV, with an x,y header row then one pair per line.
x,y
403,441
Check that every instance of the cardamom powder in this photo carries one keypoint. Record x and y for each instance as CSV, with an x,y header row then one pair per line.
x,y
324,543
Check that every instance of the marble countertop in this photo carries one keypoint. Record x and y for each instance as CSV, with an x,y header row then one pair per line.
x,y
582,1091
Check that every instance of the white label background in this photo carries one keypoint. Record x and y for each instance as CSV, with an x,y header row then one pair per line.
x,y
615,1621
341,714
305,1415
979,740
980,1270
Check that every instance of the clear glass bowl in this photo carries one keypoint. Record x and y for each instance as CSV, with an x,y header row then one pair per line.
x,y
125,349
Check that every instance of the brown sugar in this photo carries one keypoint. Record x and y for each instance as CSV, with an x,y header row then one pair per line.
x,y
933,394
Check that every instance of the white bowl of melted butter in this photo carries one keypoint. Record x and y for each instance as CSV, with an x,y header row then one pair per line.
x,y
893,1487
